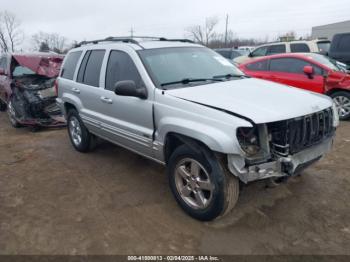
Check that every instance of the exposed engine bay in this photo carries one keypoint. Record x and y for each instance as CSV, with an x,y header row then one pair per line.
x,y
33,99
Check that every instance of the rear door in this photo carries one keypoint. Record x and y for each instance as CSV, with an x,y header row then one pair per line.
x,y
87,89
290,71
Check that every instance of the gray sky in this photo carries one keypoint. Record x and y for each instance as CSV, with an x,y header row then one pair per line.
x,y
90,19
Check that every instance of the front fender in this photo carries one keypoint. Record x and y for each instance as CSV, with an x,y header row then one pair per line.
x,y
216,139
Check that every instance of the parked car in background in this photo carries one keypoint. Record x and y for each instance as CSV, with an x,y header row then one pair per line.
x,y
309,71
231,53
340,49
27,89
184,106
246,48
313,46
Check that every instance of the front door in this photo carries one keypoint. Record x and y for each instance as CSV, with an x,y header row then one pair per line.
x,y
290,71
127,120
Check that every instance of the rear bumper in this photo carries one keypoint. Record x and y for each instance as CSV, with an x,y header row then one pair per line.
x,y
284,166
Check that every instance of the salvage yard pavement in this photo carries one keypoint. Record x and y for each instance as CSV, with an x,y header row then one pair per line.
x,y
54,200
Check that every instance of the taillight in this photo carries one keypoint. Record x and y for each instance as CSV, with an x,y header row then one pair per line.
x,y
56,87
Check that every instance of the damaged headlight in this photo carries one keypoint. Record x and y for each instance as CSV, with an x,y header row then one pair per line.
x,y
248,138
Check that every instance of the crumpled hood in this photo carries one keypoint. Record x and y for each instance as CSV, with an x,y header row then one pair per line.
x,y
259,100
42,64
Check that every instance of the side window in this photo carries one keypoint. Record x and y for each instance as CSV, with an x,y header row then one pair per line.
x,y
344,43
261,51
299,48
70,64
82,68
276,49
121,67
258,66
90,73
291,65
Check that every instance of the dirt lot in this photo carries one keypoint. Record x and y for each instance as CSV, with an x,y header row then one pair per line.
x,y
54,200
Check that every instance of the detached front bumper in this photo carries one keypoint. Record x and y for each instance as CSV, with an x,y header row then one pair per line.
x,y
284,166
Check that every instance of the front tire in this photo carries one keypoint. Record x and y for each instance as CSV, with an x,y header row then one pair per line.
x,y
200,184
80,137
342,101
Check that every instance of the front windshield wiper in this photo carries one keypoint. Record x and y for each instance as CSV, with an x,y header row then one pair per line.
x,y
191,80
228,76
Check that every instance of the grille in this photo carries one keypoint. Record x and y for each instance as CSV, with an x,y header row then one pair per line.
x,y
294,135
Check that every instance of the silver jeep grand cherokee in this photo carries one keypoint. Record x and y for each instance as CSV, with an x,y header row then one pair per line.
x,y
185,106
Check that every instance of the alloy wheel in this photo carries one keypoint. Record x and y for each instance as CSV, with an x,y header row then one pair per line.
x,y
343,105
193,183
75,130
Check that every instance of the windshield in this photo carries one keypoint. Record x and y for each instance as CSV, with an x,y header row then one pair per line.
x,y
324,47
326,61
170,66
22,71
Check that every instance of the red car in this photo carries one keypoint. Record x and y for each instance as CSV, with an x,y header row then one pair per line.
x,y
27,89
309,71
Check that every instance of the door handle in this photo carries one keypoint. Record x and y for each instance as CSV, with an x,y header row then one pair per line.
x,y
106,100
76,90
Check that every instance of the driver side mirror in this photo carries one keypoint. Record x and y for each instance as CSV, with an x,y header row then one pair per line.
x,y
129,88
2,72
309,71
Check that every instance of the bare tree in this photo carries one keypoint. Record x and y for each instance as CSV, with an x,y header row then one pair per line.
x,y
10,32
204,33
53,41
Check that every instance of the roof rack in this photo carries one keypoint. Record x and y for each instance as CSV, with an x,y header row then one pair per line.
x,y
131,40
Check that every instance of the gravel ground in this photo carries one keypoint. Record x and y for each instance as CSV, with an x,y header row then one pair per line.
x,y
54,200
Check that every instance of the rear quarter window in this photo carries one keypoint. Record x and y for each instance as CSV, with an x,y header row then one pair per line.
x,y
70,65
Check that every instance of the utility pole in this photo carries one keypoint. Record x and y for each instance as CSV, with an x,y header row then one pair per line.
x,y
132,32
226,30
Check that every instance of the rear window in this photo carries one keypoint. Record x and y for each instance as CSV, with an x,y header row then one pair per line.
x,y
70,64
276,49
323,47
258,66
299,48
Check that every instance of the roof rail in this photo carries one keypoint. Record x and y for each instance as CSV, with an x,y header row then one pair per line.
x,y
131,40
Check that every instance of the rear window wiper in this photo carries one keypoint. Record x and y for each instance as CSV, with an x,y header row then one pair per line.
x,y
191,80
228,76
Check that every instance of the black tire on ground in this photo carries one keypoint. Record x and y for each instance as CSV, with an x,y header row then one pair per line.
x,y
225,191
11,112
339,96
86,143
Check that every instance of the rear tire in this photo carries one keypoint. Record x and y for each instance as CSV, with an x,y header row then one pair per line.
x,y
80,137
205,194
342,101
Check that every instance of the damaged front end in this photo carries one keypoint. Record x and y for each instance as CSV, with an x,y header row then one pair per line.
x,y
33,98
285,147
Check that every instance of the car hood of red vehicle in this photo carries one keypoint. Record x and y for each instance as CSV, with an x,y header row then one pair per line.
x,y
45,65
259,100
